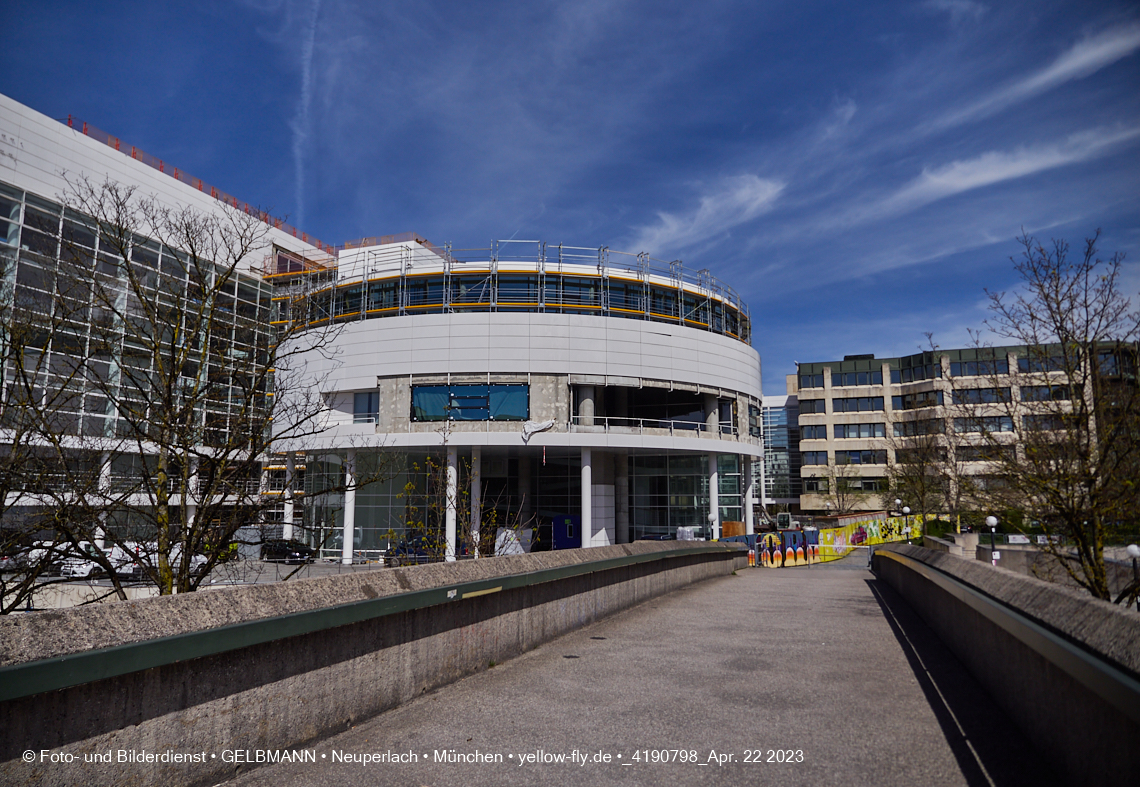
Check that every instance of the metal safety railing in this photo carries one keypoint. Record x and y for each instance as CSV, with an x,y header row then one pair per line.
x,y
89,130
640,425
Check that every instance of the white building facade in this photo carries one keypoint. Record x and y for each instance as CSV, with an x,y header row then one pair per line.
x,y
587,396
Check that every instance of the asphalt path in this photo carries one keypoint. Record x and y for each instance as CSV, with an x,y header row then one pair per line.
x,y
813,676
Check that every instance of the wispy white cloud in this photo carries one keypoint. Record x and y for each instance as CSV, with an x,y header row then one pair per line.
x,y
1086,57
841,114
301,121
959,10
734,201
998,166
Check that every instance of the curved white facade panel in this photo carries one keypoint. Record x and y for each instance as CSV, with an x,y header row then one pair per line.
x,y
538,343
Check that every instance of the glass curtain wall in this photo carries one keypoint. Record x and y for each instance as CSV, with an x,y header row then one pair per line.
x,y
667,492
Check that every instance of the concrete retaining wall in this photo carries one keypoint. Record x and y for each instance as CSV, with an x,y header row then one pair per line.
x,y
286,693
1032,562
1089,737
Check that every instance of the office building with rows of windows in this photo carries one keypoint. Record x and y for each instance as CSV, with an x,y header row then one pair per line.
x,y
602,397
860,415
88,369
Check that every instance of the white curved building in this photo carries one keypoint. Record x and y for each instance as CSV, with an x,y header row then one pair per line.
x,y
604,397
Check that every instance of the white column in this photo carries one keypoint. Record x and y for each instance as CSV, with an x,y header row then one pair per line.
x,y
712,415
621,497
749,489
587,498
452,497
586,405
349,506
290,471
714,497
103,489
476,496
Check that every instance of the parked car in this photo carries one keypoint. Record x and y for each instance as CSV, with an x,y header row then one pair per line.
x,y
287,551
130,562
81,566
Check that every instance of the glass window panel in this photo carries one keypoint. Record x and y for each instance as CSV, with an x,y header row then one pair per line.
x,y
9,209
38,242
41,220
429,402
9,233
510,402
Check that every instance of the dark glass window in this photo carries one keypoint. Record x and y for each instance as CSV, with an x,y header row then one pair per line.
x,y
863,431
818,432
876,457
471,290
988,423
857,404
981,395
383,294
916,400
518,289
812,406
366,407
470,402
1041,364
846,379
811,381
663,302
1044,393
978,368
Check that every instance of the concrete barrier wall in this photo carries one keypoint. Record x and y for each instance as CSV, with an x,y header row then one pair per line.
x,y
1074,689
1030,561
286,693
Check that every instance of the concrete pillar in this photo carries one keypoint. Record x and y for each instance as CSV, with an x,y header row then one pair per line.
x,y
290,473
749,490
586,405
191,506
712,414
102,490
524,491
349,506
451,501
621,497
714,497
587,497
476,496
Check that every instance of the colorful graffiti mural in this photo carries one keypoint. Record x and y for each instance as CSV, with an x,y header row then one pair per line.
x,y
804,547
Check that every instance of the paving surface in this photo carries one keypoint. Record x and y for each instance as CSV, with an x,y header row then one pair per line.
x,y
824,668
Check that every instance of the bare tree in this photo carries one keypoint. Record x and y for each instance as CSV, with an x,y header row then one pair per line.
x,y
1074,407
429,494
844,488
199,378
918,473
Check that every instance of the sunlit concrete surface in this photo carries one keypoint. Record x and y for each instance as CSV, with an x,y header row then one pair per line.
x,y
825,661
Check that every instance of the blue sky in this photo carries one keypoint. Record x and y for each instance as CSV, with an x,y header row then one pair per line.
x,y
857,171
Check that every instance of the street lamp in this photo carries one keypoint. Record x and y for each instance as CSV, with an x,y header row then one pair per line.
x,y
991,522
906,513
1134,551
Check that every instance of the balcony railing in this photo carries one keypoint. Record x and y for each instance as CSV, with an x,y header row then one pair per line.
x,y
621,425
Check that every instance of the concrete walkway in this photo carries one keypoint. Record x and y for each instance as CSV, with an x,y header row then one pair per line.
x,y
824,666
